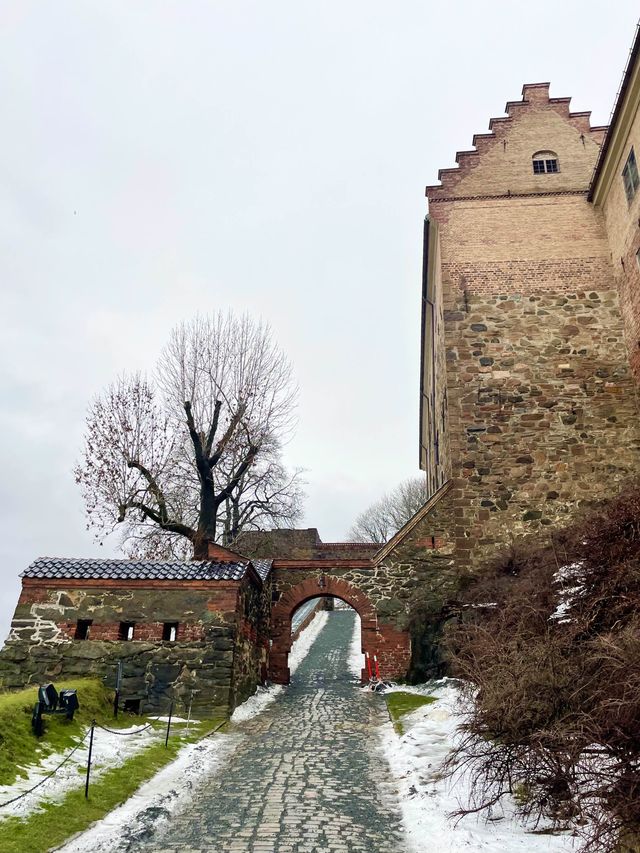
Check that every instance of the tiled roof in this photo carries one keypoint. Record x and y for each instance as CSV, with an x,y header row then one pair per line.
x,y
84,569
262,567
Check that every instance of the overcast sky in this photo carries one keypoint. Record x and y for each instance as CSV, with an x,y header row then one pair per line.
x,y
160,159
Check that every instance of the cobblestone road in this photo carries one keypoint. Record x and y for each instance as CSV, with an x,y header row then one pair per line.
x,y
306,776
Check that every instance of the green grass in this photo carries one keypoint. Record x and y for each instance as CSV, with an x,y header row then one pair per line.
x,y
20,748
49,828
400,703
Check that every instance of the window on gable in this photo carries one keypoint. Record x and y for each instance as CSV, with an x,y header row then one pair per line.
x,y
126,630
82,629
630,176
545,163
170,631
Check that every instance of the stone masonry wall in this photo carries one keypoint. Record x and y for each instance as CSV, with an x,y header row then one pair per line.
x,y
198,666
381,636
251,643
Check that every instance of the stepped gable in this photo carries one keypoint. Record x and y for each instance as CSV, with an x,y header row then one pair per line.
x,y
535,97
72,568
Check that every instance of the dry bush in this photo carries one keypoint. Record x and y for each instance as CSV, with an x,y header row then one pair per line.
x,y
549,642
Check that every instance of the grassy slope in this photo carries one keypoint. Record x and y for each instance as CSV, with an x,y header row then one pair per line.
x,y
49,828
18,744
400,703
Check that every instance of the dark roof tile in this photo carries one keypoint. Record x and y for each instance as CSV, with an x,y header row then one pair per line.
x,y
194,570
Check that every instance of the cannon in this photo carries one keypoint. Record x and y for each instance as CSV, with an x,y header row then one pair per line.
x,y
52,702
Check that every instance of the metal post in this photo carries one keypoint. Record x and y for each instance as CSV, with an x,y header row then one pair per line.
x,y
86,786
116,698
166,740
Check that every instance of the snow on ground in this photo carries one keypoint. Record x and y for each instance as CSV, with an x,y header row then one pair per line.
x,y
265,695
427,798
109,750
356,658
570,581
154,802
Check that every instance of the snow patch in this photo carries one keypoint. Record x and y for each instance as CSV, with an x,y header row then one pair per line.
x,y
152,805
356,658
109,750
306,638
428,798
571,582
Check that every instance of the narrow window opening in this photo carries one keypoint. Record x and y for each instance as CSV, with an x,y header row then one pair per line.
x,y
82,629
170,631
126,630
630,176
132,706
638,258
545,163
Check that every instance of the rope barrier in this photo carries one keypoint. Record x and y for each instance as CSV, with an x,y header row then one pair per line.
x,y
76,748
46,778
124,734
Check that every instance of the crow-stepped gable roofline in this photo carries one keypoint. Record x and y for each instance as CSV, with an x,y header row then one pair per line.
x,y
534,96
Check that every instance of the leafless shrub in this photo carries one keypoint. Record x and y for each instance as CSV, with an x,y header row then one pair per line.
x,y
549,642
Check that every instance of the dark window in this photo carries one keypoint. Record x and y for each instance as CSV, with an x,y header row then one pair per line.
x,y
545,163
170,631
132,706
126,630
82,629
630,176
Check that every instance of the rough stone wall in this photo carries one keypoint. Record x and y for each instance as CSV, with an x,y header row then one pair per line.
x,y
197,666
251,643
543,410
267,544
622,220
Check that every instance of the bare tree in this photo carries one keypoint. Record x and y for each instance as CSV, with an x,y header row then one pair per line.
x,y
380,521
196,454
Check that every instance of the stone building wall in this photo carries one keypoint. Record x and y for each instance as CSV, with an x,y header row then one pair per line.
x,y
251,642
543,413
213,661
542,407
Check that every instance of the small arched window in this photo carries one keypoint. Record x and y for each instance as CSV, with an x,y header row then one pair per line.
x,y
545,162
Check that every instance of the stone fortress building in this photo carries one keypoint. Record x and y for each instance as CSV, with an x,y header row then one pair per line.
x,y
530,363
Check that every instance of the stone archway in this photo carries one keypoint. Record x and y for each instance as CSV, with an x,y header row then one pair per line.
x,y
295,596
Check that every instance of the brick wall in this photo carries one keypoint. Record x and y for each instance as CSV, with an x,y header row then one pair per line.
x,y
502,161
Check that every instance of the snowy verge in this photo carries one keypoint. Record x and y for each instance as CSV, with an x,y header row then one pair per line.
x,y
427,798
356,658
264,696
154,802
109,750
